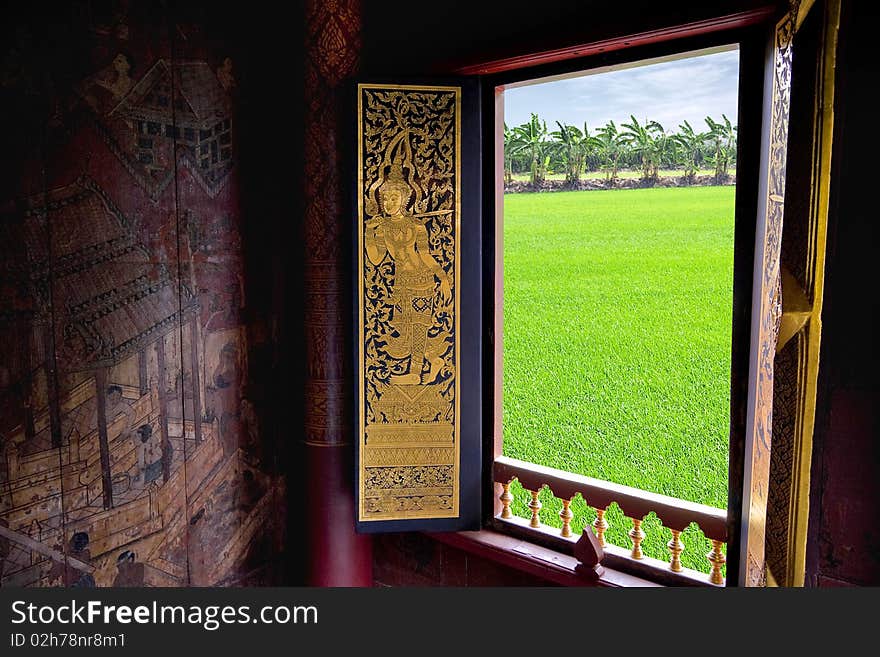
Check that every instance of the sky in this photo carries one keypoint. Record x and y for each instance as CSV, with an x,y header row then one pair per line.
x,y
668,92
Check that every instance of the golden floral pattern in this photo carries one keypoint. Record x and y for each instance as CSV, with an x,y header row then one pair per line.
x,y
408,301
770,311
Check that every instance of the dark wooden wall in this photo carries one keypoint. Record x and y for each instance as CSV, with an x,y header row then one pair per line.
x,y
414,559
144,343
844,545
465,33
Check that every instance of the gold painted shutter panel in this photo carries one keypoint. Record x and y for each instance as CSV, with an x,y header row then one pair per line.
x,y
417,295
785,335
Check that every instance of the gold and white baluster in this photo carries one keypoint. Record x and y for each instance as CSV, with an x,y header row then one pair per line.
x,y
566,515
535,505
636,535
717,559
676,547
600,525
506,499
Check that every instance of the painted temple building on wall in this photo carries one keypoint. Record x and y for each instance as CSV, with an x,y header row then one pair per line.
x,y
129,448
198,124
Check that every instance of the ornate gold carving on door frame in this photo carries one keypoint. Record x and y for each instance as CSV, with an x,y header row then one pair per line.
x,y
409,144
783,313
802,328
768,311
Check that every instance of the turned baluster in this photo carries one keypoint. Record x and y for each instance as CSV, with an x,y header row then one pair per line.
x,y
676,547
717,559
506,499
566,515
600,525
535,505
636,535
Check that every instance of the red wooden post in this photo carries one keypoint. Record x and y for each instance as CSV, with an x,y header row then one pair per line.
x,y
337,555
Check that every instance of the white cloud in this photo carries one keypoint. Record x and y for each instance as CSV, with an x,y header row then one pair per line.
x,y
670,92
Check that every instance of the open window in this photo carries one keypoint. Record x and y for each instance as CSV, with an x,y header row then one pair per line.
x,y
618,257
429,287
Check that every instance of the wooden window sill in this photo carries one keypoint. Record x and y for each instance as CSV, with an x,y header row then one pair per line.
x,y
533,559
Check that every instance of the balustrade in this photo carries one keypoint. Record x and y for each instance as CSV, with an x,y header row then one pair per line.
x,y
676,515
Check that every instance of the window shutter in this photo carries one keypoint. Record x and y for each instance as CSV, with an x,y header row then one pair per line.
x,y
802,264
768,534
417,298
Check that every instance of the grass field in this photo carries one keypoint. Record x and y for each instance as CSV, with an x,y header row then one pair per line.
x,y
617,315
600,175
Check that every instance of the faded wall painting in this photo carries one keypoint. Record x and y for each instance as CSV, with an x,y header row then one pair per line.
x,y
408,170
131,447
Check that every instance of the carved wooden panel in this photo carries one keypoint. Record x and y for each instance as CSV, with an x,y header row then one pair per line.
x,y
785,410
803,262
767,308
409,209
768,313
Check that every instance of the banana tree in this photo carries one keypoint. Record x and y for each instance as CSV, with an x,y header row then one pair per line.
x,y
573,147
722,142
529,140
648,142
665,149
691,145
609,146
508,157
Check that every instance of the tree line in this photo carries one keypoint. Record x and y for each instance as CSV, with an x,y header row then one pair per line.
x,y
646,147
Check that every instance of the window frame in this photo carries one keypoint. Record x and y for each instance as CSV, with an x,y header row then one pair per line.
x,y
750,34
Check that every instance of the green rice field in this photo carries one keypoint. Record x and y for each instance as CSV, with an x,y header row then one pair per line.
x,y
623,173
617,320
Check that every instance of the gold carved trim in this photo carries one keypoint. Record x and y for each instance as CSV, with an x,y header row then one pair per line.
x,y
800,314
405,456
768,312
409,252
796,309
802,9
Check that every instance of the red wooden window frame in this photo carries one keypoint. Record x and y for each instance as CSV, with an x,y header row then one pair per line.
x,y
730,23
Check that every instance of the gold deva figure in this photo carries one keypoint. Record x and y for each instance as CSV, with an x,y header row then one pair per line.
x,y
418,278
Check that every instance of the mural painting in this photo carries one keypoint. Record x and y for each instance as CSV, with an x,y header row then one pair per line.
x,y
131,451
